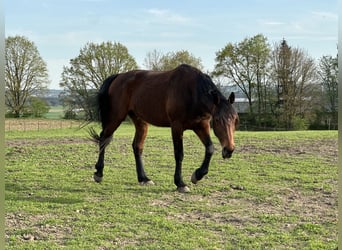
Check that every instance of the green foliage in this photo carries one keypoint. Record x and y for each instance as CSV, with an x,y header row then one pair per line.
x,y
70,115
289,200
245,64
280,84
173,59
87,72
300,123
157,61
25,73
38,107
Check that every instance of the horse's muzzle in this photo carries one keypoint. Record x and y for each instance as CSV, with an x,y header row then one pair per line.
x,y
226,153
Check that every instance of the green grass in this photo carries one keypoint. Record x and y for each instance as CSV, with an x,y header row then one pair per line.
x,y
289,200
55,112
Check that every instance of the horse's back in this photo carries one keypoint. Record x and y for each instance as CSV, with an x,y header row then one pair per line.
x,y
157,97
149,97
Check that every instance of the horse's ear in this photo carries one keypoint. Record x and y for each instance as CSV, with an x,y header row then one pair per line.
x,y
215,96
231,98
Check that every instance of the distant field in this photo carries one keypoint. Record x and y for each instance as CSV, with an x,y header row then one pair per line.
x,y
278,191
52,120
55,112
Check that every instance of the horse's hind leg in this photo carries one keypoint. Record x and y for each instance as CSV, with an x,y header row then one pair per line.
x,y
141,128
103,140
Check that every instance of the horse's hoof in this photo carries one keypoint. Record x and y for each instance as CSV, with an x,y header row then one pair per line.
x,y
184,189
193,178
97,178
146,183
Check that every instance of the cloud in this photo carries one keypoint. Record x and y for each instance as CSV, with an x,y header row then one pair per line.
x,y
310,26
325,15
167,16
271,23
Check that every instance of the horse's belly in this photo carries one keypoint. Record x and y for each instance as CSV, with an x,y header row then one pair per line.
x,y
152,112
154,119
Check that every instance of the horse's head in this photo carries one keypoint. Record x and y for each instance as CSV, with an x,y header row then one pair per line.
x,y
225,121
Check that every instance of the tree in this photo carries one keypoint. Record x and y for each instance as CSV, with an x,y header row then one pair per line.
x,y
25,73
157,61
38,107
328,72
87,72
294,74
153,60
245,64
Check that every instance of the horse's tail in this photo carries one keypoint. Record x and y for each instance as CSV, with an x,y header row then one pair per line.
x,y
103,99
102,106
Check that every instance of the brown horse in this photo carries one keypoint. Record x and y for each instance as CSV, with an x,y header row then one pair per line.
x,y
183,98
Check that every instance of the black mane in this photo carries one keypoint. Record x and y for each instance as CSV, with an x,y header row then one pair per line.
x,y
210,95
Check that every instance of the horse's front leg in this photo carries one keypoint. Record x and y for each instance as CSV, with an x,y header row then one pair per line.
x,y
177,137
203,133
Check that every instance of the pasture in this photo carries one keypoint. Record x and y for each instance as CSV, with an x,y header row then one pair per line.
x,y
278,191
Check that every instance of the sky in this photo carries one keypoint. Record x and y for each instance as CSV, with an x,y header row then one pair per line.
x,y
60,28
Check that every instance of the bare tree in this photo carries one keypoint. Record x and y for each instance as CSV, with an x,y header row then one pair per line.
x,y
25,73
328,72
294,74
155,60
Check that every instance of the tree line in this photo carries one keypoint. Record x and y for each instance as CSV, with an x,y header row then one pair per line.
x,y
283,87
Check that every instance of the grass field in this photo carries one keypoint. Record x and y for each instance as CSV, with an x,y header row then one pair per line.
x,y
55,112
278,191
